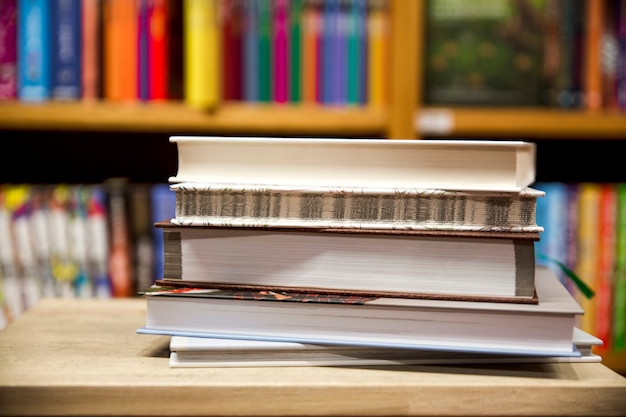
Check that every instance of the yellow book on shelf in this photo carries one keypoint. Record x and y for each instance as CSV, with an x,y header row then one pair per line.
x,y
378,51
588,254
201,53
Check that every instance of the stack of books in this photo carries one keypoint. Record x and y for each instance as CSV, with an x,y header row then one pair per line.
x,y
357,251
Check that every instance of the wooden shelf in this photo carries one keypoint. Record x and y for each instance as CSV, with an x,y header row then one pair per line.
x,y
520,123
176,118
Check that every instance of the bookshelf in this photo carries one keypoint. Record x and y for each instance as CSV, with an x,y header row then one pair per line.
x,y
137,125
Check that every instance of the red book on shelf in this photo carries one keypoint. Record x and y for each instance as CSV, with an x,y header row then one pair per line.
x,y
158,67
231,15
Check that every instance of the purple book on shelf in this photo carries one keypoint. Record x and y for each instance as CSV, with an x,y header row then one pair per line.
x,y
8,49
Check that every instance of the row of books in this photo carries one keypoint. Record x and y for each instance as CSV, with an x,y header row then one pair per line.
x,y
586,231
330,52
567,54
70,240
271,243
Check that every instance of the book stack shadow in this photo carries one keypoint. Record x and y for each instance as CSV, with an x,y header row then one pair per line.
x,y
339,252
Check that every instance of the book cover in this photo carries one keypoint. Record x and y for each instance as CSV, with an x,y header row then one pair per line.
x,y
66,49
91,43
544,328
143,51
489,53
201,53
280,51
33,49
232,32
329,51
401,263
8,49
158,49
391,208
337,162
200,352
120,49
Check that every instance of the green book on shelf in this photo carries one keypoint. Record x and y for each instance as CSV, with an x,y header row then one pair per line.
x,y
485,52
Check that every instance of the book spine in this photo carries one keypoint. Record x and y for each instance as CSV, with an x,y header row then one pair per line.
x,y
606,262
329,47
8,49
280,68
594,12
621,65
231,16
79,241
65,49
295,51
143,51
201,52
311,39
33,64
120,250
120,49
158,48
163,207
377,52
90,45
618,314
356,66
99,247
264,20
250,52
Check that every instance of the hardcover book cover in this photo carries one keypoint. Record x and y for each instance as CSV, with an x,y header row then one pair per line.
x,y
65,49
33,64
8,49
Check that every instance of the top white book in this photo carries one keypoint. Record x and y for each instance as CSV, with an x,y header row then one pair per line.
x,y
496,165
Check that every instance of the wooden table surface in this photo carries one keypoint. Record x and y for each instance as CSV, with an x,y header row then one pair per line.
x,y
83,357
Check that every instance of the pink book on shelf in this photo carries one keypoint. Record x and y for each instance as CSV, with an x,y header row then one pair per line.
x,y
280,28
8,49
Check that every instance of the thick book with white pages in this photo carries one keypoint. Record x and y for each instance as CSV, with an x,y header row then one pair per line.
x,y
204,352
544,328
494,165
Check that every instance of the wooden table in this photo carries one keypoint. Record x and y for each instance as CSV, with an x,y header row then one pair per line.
x,y
83,357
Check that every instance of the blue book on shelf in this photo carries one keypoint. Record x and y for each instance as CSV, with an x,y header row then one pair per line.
x,y
65,49
33,67
250,52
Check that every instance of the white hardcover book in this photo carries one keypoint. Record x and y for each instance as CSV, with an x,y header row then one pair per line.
x,y
333,162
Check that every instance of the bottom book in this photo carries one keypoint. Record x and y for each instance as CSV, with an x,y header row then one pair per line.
x,y
202,352
544,328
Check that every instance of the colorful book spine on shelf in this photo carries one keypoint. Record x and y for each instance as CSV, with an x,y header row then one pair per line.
x,y
120,246
592,63
201,52
120,50
621,65
606,262
158,49
295,51
78,240
357,65
175,50
311,51
90,49
8,49
231,26
143,53
163,207
264,69
280,51
33,63
250,52
41,236
618,323
98,248
587,242
377,52
329,48
65,49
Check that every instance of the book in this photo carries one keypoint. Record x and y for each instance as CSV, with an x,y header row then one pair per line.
x,y
311,51
33,50
489,53
378,58
201,53
162,206
545,328
143,52
204,352
478,266
214,204
357,47
120,246
175,50
8,49
264,49
280,50
618,321
295,50
65,49
446,164
231,27
592,50
250,51
158,49
120,26
90,49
